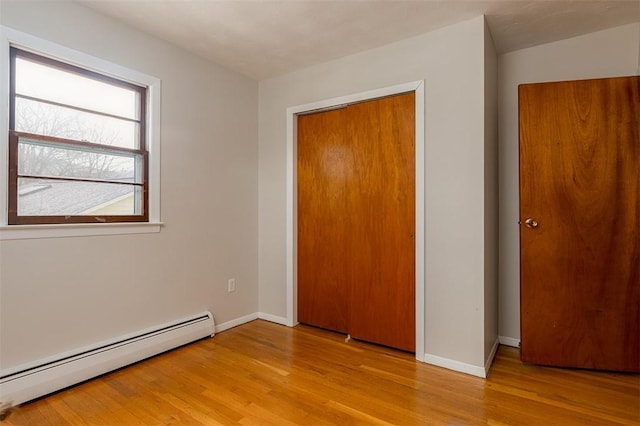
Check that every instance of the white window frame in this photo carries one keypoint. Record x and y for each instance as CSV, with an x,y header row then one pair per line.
x,y
10,37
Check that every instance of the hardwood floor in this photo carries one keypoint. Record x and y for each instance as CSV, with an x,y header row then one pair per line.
x,y
263,373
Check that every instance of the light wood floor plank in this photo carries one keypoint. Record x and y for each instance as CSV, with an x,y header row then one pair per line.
x,y
266,374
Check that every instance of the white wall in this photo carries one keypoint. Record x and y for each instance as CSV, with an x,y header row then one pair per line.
x,y
491,195
451,61
62,293
609,53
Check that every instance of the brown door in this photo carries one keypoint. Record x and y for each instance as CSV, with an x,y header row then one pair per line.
x,y
324,171
356,192
580,223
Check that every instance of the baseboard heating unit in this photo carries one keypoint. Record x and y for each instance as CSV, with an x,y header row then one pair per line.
x,y
27,382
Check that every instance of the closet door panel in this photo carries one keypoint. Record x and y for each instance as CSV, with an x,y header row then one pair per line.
x,y
324,168
382,211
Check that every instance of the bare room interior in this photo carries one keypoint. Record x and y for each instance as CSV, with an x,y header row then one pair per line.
x,y
335,212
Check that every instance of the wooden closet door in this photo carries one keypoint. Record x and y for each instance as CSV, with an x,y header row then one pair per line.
x,y
580,223
356,192
382,244
324,171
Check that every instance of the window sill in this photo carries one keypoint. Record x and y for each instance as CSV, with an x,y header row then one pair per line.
x,y
25,232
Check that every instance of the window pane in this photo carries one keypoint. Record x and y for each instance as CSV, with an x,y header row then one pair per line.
x,y
44,82
50,120
42,197
38,158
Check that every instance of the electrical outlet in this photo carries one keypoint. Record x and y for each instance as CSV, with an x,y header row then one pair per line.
x,y
231,285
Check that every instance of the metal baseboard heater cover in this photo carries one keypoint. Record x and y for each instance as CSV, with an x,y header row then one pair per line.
x,y
30,381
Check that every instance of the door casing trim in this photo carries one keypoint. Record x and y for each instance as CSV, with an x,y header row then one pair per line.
x,y
291,199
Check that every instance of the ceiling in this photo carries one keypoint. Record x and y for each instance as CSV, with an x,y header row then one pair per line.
x,y
266,38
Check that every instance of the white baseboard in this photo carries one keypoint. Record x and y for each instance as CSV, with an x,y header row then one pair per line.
x,y
492,355
248,318
236,322
509,341
273,318
428,358
451,364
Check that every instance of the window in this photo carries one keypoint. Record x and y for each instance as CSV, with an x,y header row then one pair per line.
x,y
77,145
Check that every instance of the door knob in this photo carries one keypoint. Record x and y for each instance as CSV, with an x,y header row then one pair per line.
x,y
531,223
